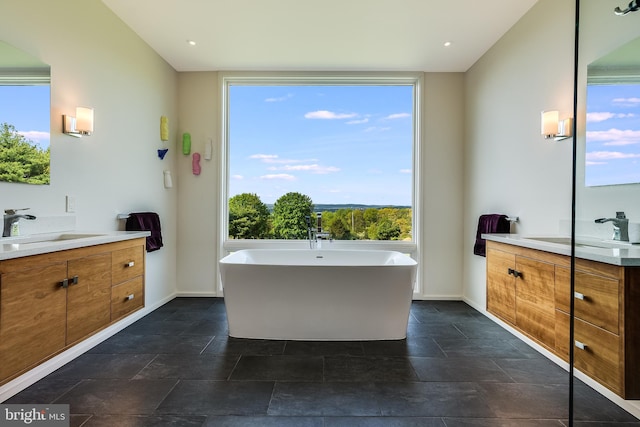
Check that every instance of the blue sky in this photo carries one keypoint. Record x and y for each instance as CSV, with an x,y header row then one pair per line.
x,y
28,108
336,144
613,135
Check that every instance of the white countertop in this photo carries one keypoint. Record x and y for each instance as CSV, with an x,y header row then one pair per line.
x,y
606,251
35,244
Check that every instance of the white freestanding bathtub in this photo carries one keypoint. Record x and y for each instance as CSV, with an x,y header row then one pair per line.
x,y
318,294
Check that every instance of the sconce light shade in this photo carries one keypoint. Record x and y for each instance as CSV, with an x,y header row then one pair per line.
x,y
84,120
81,124
553,127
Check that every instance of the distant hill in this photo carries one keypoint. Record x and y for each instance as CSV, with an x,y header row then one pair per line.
x,y
334,207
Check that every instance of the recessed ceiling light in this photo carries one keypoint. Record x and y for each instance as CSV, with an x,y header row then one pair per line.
x,y
191,42
447,44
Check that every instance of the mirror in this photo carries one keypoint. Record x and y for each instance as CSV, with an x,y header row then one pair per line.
x,y
25,114
613,118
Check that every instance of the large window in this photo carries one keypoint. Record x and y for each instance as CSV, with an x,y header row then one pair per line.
x,y
344,147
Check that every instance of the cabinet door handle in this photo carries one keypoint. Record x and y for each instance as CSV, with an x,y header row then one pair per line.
x,y
513,272
581,345
578,295
74,280
129,297
64,283
130,264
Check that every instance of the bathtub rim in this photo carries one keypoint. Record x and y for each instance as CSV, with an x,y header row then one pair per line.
x,y
237,258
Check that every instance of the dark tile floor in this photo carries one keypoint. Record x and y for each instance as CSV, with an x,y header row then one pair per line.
x,y
177,367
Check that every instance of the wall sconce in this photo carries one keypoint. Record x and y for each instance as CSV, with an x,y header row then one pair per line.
x,y
553,127
81,124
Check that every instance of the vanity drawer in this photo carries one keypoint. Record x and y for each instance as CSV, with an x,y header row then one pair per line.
x,y
127,263
600,357
596,298
126,297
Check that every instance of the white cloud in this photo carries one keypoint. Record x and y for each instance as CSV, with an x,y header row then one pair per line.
x,y
279,99
405,170
35,135
238,177
397,116
598,157
358,122
614,137
629,102
323,170
376,129
597,117
328,115
314,168
264,157
282,176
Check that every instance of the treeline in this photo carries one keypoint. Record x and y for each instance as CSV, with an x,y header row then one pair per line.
x,y
250,218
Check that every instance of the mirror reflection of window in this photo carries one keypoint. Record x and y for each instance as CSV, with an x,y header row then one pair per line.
x,y
24,134
613,118
25,111
613,135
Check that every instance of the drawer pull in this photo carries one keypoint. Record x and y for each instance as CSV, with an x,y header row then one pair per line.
x,y
130,264
581,345
129,297
579,296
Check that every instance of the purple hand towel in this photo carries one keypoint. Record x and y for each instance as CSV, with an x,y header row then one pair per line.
x,y
490,223
146,221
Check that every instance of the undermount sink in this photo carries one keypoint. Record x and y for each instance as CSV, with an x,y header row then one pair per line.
x,y
51,238
578,244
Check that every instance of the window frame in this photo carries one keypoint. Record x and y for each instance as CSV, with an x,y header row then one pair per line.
x,y
226,245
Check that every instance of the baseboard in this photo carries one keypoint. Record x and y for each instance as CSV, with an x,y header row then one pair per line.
x,y
631,406
20,383
427,297
196,294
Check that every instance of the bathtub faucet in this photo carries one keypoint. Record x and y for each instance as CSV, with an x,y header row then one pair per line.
x,y
620,226
311,234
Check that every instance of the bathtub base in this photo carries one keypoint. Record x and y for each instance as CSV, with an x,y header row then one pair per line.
x,y
318,303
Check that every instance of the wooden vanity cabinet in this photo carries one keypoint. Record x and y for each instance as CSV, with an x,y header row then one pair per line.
x,y
127,293
606,334
520,291
607,320
51,301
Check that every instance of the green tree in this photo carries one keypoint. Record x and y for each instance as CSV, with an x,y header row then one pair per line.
x,y
248,217
339,229
289,213
370,216
387,230
20,159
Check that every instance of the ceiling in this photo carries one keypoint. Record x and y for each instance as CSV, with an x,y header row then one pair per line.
x,y
332,35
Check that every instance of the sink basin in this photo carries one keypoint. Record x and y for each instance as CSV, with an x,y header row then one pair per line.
x,y
51,238
579,244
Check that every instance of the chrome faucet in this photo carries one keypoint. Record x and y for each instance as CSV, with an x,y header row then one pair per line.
x,y
311,233
11,217
315,233
620,226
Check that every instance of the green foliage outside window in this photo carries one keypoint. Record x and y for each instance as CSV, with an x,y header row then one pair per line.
x,y
249,218
20,159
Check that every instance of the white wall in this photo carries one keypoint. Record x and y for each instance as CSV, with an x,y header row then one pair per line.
x,y
441,240
97,61
509,167
198,210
